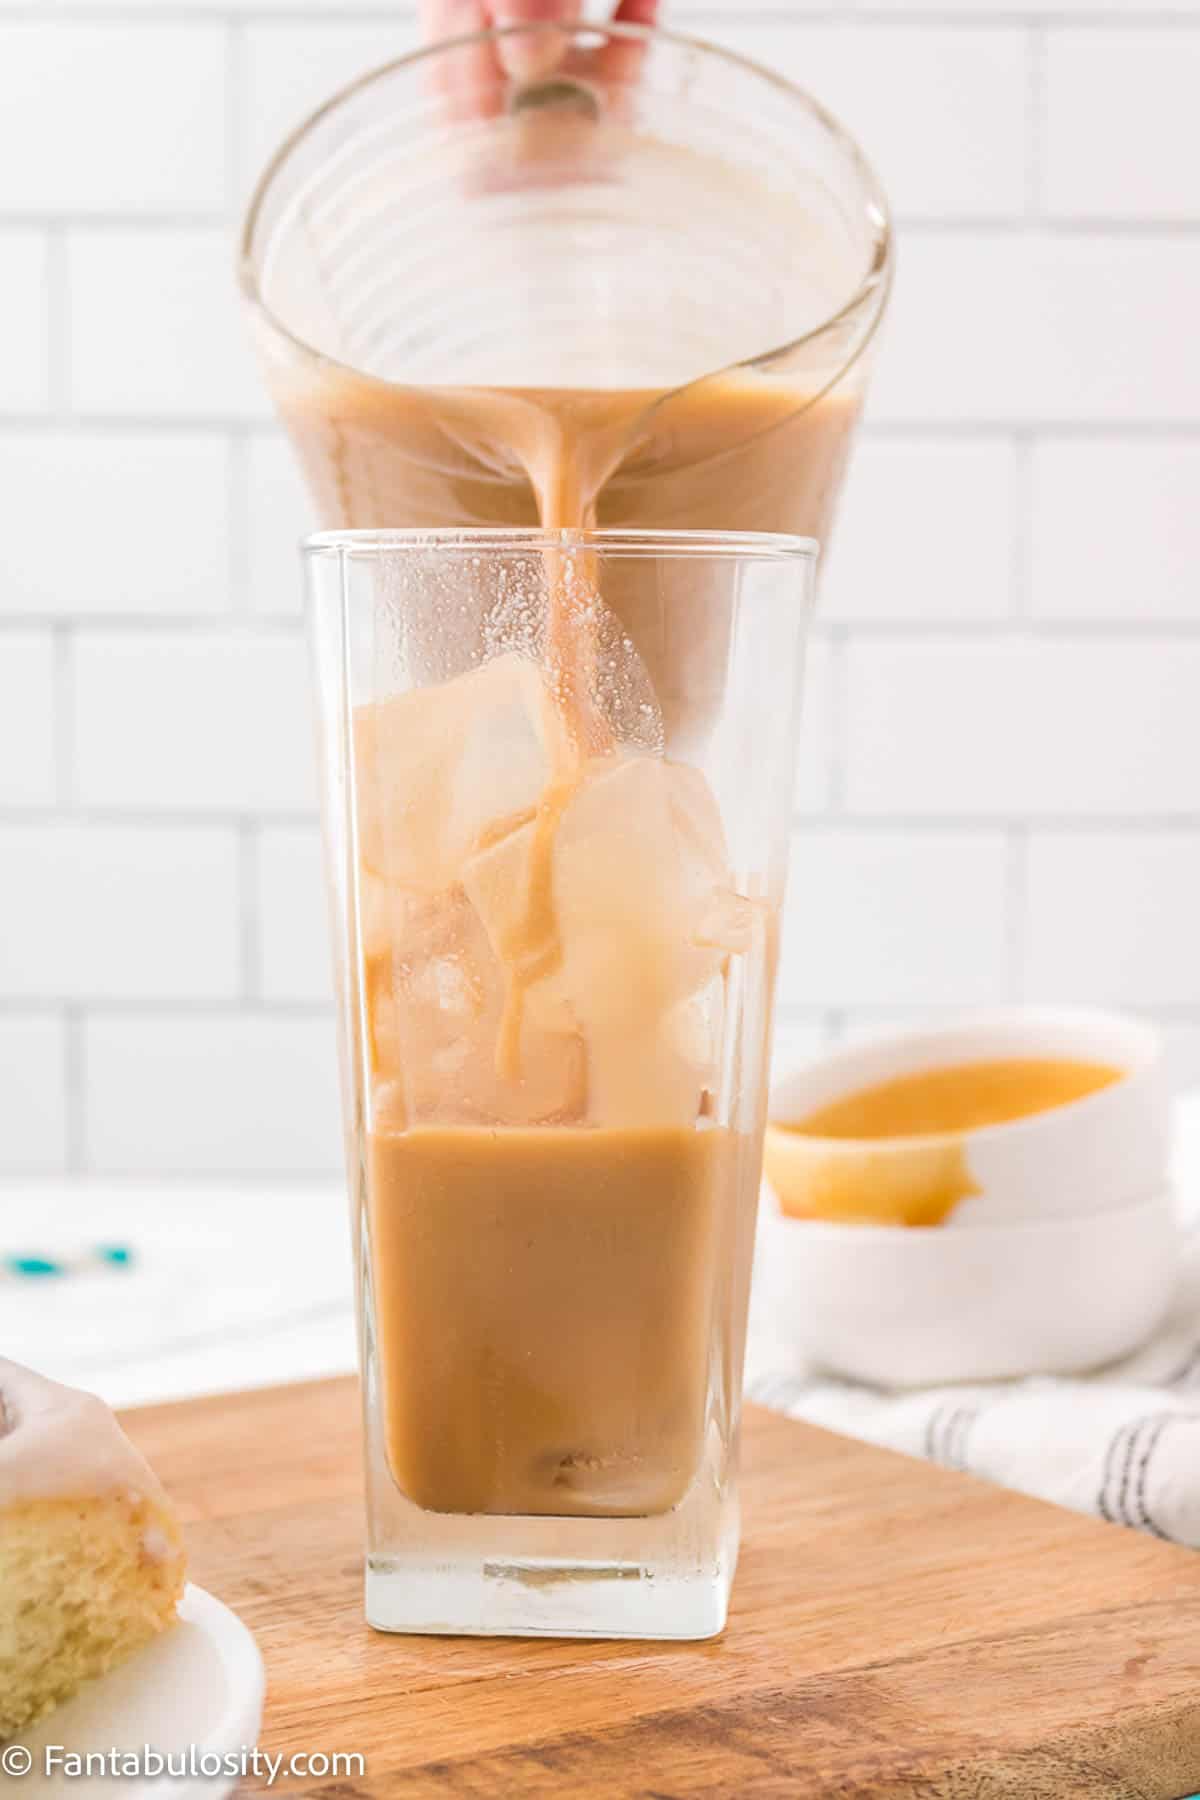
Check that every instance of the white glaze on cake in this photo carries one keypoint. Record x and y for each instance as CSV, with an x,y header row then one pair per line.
x,y
57,1443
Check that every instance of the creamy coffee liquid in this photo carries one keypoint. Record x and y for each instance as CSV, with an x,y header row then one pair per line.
x,y
553,1211
544,1313
742,451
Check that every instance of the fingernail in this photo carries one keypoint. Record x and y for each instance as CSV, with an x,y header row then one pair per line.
x,y
530,52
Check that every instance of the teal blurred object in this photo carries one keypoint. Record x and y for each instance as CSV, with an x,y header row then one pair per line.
x,y
29,1267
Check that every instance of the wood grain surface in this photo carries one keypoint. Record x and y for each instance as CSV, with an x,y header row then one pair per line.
x,y
897,1630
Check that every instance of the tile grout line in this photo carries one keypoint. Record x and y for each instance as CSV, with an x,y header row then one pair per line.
x,y
235,111
1036,122
237,501
839,720
834,1021
58,324
75,1076
63,639
1021,594
239,599
1016,911
249,915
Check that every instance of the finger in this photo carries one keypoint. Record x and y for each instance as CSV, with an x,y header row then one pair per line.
x,y
469,77
621,59
451,18
531,55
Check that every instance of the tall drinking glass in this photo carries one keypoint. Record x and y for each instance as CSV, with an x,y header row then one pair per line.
x,y
556,885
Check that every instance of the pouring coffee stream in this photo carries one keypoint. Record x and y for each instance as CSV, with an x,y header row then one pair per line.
x,y
626,244
735,450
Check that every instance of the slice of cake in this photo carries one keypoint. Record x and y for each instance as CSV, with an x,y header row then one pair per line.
x,y
91,1561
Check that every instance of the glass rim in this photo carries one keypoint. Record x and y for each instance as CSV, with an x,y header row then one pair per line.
x,y
752,546
878,273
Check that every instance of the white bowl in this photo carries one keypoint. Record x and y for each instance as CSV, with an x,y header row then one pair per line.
x,y
1064,1257
1107,1150
900,1307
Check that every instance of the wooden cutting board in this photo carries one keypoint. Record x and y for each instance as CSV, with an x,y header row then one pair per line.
x,y
897,1630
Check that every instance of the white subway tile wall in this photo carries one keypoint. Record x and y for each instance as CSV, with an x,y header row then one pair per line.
x,y
107,523
119,912
110,119
155,331
818,748
289,69
940,111
28,720
1115,531
927,532
291,916
278,514
999,790
1022,725
1139,893
216,1093
1122,125
1053,326
33,1093
894,917
25,282
206,721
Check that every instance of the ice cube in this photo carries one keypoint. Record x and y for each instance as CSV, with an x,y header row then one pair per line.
x,y
637,858
729,921
441,769
377,903
435,1002
694,1028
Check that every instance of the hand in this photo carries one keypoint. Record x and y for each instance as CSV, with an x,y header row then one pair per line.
x,y
528,55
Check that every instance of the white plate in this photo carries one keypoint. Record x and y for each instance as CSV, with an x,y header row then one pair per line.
x,y
199,1684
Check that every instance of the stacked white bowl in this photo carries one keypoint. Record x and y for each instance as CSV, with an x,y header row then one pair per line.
x,y
1063,1259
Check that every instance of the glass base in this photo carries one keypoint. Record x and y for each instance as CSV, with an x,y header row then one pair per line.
x,y
664,1575
532,1596
503,1575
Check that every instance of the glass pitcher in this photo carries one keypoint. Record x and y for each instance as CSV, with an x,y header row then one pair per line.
x,y
636,292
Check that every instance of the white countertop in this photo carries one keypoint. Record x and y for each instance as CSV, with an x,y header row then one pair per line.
x,y
231,1286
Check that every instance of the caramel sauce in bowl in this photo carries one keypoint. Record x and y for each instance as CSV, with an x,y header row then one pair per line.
x,y
980,1200
1017,1114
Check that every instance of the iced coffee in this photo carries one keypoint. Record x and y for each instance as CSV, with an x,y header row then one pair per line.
x,y
544,1302
549,920
592,334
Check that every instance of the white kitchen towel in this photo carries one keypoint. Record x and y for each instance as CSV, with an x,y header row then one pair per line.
x,y
1123,1443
